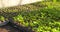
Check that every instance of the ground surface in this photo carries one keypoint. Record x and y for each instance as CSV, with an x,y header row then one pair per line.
x,y
8,28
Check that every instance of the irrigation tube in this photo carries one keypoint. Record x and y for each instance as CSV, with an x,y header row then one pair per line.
x,y
10,3
4,23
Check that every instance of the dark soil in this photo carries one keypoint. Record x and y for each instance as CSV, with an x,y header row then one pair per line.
x,y
8,28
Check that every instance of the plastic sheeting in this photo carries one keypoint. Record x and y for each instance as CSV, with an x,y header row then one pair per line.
x,y
10,3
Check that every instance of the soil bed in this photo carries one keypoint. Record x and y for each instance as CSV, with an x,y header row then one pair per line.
x,y
8,28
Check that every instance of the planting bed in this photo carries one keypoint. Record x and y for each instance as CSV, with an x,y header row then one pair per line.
x,y
38,17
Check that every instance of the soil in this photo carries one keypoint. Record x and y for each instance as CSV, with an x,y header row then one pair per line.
x,y
8,28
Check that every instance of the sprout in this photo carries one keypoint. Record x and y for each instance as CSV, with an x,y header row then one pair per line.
x,y
2,18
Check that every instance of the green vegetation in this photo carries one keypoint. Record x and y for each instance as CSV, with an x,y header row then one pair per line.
x,y
41,16
42,20
2,18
